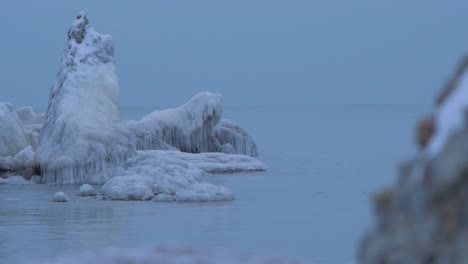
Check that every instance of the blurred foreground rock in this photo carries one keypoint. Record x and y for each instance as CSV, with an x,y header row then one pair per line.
x,y
423,218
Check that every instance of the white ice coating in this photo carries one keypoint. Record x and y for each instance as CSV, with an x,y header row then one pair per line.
x,y
450,116
82,136
193,127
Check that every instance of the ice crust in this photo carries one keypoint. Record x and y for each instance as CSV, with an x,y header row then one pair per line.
x,y
81,139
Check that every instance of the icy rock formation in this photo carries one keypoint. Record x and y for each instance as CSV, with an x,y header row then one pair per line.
x,y
166,255
193,127
82,135
60,197
86,190
423,217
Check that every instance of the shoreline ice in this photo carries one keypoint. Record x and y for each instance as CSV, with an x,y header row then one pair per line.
x,y
81,139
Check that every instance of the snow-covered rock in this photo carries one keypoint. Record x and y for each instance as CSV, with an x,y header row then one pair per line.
x,y
82,135
166,255
193,127
60,197
12,134
86,190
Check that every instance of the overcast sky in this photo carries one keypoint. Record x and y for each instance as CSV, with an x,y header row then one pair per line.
x,y
253,52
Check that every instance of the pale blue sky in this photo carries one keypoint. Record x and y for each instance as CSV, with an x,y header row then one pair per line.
x,y
251,51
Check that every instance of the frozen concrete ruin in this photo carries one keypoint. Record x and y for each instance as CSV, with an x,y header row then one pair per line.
x,y
81,139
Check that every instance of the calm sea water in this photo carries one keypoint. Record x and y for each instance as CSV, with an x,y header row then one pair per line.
x,y
313,203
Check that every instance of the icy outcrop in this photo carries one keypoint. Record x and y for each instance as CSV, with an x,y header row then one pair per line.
x,y
82,136
166,255
60,197
423,218
13,138
194,127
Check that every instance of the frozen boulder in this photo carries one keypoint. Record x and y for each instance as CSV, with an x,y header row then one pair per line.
x,y
86,190
60,197
82,135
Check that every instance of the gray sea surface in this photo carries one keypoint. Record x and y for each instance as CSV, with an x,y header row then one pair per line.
x,y
313,203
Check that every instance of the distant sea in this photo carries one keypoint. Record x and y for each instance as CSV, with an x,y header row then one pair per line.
x,y
325,162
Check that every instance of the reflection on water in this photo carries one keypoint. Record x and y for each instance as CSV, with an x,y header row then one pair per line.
x,y
313,202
